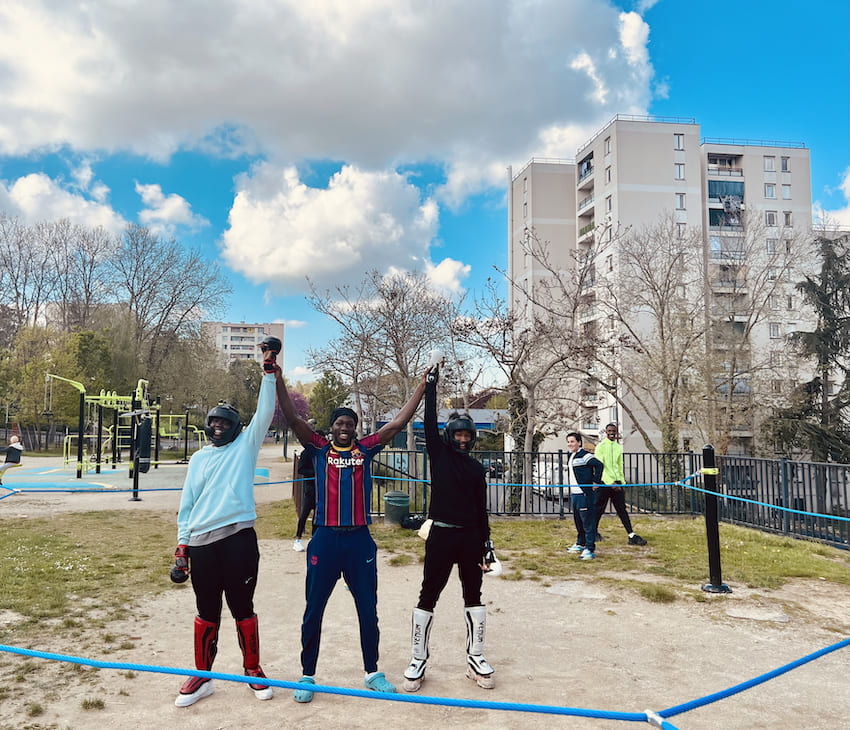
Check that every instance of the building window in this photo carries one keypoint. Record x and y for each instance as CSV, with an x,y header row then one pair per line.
x,y
678,141
680,201
787,215
770,218
777,386
775,359
787,245
679,171
607,145
773,299
609,204
525,210
771,245
786,192
680,228
769,163
775,329
525,184
769,190
789,302
772,273
785,164
609,262
608,174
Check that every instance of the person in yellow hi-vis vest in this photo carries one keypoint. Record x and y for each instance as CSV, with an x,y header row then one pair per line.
x,y
610,453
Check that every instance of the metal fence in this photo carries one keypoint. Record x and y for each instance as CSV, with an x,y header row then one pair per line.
x,y
657,484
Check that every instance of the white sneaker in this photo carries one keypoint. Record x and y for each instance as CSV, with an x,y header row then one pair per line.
x,y
186,698
575,548
298,546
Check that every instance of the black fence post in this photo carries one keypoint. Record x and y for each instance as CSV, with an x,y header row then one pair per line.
x,y
710,472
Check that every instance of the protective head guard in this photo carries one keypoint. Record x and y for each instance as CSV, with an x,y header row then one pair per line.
x,y
271,343
459,422
229,413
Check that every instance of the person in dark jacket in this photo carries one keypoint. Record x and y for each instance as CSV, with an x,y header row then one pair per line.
x,y
584,474
459,535
308,498
13,455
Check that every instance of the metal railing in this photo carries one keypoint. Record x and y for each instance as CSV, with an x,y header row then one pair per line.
x,y
532,485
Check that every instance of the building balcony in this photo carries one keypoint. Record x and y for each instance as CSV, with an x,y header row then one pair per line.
x,y
585,180
586,230
585,202
723,171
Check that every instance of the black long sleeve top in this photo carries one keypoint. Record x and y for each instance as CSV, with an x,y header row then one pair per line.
x,y
458,484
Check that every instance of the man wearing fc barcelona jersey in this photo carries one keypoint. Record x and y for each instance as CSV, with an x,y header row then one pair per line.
x,y
342,545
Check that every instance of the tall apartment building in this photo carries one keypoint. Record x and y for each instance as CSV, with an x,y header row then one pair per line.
x,y
635,171
238,340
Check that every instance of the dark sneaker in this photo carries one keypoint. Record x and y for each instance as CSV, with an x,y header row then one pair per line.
x,y
636,540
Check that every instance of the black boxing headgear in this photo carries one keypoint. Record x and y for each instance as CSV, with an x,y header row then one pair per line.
x,y
343,411
229,413
459,422
271,343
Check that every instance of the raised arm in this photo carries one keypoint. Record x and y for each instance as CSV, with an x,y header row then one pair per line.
x,y
302,429
387,433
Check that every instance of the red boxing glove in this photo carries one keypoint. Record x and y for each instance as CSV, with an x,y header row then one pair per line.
x,y
180,569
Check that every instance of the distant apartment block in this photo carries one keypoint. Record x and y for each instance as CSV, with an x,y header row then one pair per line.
x,y
239,340
635,171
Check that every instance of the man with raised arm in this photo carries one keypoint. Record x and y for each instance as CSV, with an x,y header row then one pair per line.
x,y
343,544
216,540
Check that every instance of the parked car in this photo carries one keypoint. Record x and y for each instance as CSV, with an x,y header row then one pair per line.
x,y
495,468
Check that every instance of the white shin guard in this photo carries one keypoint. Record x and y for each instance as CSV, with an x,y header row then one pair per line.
x,y
419,636
476,621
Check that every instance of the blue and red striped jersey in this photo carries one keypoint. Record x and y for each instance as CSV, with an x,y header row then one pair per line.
x,y
343,480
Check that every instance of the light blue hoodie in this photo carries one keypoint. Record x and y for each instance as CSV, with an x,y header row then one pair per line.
x,y
219,486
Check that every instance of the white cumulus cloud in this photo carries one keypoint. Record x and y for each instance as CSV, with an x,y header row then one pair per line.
x,y
375,84
837,216
282,231
36,197
163,213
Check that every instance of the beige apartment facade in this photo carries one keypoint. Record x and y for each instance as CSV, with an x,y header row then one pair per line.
x,y
236,341
746,203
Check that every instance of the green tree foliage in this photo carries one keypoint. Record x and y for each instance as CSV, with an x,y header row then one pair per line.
x,y
329,393
817,419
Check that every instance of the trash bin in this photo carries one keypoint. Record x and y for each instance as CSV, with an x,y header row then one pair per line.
x,y
397,506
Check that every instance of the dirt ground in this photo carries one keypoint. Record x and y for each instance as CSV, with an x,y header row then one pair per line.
x,y
575,643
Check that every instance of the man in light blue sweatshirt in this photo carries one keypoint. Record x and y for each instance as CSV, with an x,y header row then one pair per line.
x,y
216,537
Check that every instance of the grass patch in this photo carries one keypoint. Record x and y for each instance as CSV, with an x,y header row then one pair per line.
x,y
95,704
77,566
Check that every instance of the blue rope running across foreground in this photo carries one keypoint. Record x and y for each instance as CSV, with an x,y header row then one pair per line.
x,y
654,718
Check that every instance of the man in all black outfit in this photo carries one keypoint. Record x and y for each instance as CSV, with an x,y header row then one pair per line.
x,y
459,535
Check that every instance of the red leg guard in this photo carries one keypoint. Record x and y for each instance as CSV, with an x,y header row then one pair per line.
x,y
249,642
206,646
206,643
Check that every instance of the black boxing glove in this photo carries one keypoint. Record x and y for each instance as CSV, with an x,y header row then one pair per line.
x,y
180,569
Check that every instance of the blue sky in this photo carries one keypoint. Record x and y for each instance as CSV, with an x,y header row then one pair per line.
x,y
288,139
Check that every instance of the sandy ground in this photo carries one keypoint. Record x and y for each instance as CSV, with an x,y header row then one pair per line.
x,y
576,643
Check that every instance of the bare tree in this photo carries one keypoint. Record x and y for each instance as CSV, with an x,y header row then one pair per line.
x,y
167,290
389,324
536,340
27,274
652,308
82,255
